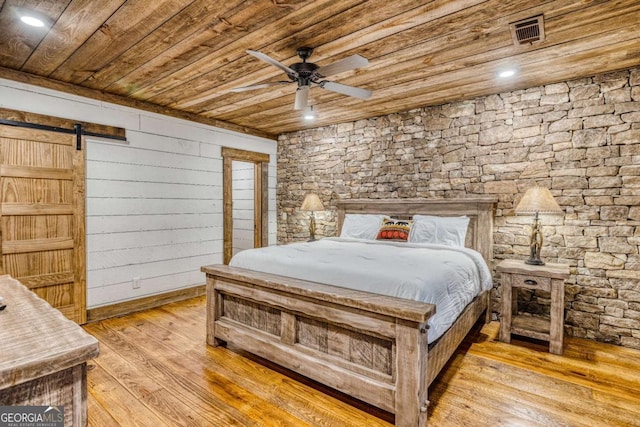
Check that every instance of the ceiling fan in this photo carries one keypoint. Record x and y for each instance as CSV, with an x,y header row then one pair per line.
x,y
306,74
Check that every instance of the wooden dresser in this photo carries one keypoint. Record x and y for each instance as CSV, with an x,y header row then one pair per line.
x,y
43,355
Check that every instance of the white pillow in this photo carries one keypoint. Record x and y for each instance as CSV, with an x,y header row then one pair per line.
x,y
449,230
361,226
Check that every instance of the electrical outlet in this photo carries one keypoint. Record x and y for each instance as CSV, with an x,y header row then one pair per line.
x,y
136,283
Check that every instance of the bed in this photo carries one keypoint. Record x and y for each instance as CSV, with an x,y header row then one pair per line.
x,y
370,346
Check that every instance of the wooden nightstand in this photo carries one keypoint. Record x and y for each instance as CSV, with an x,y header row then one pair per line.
x,y
550,278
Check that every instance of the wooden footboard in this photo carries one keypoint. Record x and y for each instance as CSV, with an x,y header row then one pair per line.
x,y
370,346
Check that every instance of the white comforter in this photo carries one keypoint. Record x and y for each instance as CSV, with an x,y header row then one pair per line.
x,y
449,277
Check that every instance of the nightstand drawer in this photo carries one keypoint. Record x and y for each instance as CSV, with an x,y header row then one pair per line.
x,y
531,282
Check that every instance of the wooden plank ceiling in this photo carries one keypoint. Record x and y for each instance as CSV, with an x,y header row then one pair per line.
x,y
181,57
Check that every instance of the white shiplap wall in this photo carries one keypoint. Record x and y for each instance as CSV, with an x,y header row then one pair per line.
x,y
154,205
243,195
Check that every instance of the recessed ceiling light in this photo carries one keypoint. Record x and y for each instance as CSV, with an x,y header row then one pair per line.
x,y
506,73
30,20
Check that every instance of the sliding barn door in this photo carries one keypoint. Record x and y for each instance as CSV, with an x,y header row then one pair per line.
x,y
42,215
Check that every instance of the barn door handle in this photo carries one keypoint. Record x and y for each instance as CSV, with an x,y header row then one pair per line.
x,y
78,129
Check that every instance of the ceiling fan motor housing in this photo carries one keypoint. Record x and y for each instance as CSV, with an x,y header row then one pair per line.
x,y
306,72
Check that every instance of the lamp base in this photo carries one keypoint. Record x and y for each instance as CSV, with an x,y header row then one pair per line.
x,y
535,243
312,228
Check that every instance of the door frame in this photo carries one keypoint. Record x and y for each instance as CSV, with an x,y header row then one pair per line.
x,y
261,197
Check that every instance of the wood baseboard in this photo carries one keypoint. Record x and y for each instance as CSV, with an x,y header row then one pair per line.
x,y
127,307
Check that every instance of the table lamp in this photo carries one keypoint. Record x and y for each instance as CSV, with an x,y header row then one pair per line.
x,y
312,203
537,200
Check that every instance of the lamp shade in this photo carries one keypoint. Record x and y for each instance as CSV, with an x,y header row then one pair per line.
x,y
538,199
312,203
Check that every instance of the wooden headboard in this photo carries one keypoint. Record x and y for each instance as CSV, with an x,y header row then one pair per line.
x,y
478,209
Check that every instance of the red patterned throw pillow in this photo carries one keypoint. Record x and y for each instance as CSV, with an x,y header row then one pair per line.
x,y
394,229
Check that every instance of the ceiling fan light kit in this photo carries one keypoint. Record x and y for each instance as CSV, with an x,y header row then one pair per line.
x,y
309,114
307,74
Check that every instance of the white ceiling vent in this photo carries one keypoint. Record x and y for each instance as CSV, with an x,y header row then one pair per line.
x,y
528,30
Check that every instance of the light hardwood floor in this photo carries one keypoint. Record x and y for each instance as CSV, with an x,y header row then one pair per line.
x,y
155,369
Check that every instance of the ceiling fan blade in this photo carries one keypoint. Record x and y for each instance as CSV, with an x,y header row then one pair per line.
x,y
349,63
270,60
302,98
260,86
346,90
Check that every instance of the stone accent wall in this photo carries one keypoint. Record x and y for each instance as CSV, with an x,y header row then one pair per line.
x,y
579,138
